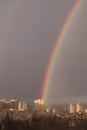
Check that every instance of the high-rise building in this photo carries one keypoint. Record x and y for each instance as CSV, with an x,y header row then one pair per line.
x,y
39,104
72,108
54,111
13,104
48,110
22,105
79,107
8,104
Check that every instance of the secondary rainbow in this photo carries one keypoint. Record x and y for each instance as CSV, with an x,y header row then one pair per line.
x,y
15,8
56,48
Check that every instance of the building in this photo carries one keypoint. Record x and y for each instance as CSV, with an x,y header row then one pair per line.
x,y
23,105
39,105
8,104
13,104
79,107
48,110
72,108
54,111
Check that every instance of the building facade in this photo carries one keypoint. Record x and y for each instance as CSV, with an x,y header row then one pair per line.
x,y
39,105
72,108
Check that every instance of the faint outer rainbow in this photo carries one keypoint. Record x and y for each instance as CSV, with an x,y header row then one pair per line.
x,y
10,20
56,48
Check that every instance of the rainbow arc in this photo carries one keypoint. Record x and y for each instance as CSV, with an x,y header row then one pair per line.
x,y
59,42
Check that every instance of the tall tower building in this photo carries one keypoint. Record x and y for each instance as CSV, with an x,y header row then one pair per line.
x,y
79,107
72,108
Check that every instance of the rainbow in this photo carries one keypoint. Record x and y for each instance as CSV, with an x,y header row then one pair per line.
x,y
10,20
56,48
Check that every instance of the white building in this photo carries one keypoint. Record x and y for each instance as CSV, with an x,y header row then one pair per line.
x,y
22,106
39,104
79,107
72,108
48,110
54,111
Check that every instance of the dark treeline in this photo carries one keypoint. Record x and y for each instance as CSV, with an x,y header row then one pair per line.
x,y
44,123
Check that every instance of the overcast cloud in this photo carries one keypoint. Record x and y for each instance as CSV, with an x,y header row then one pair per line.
x,y
28,32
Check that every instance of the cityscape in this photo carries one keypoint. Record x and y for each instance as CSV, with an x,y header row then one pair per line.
x,y
20,115
43,65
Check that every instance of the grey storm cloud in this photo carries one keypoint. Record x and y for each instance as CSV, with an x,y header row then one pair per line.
x,y
28,32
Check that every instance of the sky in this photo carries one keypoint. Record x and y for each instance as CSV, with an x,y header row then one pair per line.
x,y
28,32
